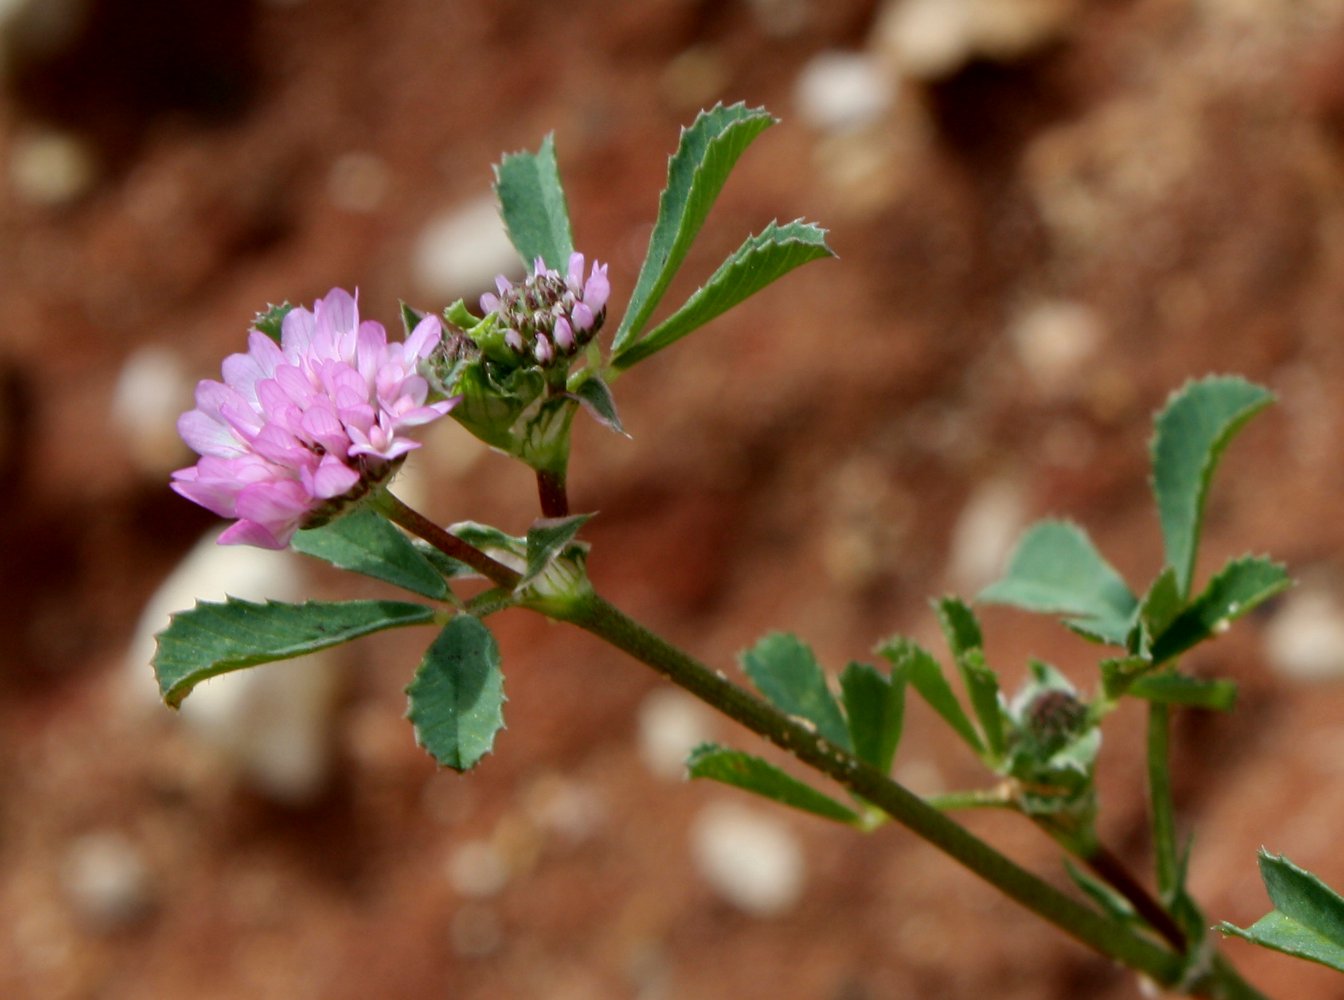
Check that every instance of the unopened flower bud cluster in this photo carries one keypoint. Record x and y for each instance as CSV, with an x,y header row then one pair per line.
x,y
550,316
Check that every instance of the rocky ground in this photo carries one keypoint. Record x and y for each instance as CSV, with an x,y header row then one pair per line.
x,y
1048,215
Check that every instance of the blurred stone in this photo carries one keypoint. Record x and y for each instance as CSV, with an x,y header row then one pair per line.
x,y
1055,340
843,91
272,722
358,182
990,523
563,808
459,253
51,168
923,39
932,39
671,725
106,880
477,869
749,858
152,390
1305,638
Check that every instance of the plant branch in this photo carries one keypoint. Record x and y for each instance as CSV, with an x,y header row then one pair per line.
x,y
596,616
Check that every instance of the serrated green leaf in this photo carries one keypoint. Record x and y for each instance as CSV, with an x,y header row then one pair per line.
x,y
696,173
457,695
959,625
1199,421
532,201
1308,916
271,320
965,640
982,687
742,770
762,259
1240,586
366,543
547,537
875,713
1056,569
596,397
213,639
787,673
1181,689
923,672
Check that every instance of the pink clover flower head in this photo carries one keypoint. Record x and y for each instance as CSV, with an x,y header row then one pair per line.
x,y
298,430
550,316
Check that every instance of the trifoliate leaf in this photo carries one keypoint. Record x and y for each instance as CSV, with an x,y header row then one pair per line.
x,y
696,173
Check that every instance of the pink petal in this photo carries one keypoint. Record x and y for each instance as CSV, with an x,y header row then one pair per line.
x,y
296,333
207,436
332,478
423,339
251,533
341,310
597,289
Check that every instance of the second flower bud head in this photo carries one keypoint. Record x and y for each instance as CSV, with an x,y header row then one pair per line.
x,y
549,316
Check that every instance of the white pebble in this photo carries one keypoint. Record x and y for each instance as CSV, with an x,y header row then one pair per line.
x,y
931,39
924,39
1055,340
477,870
671,725
51,168
106,880
272,722
459,253
749,859
152,390
843,91
1305,638
985,533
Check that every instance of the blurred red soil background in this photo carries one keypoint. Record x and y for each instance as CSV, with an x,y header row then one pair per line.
x,y
1048,214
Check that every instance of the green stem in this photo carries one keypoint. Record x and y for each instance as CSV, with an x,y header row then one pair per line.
x,y
1163,809
594,615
